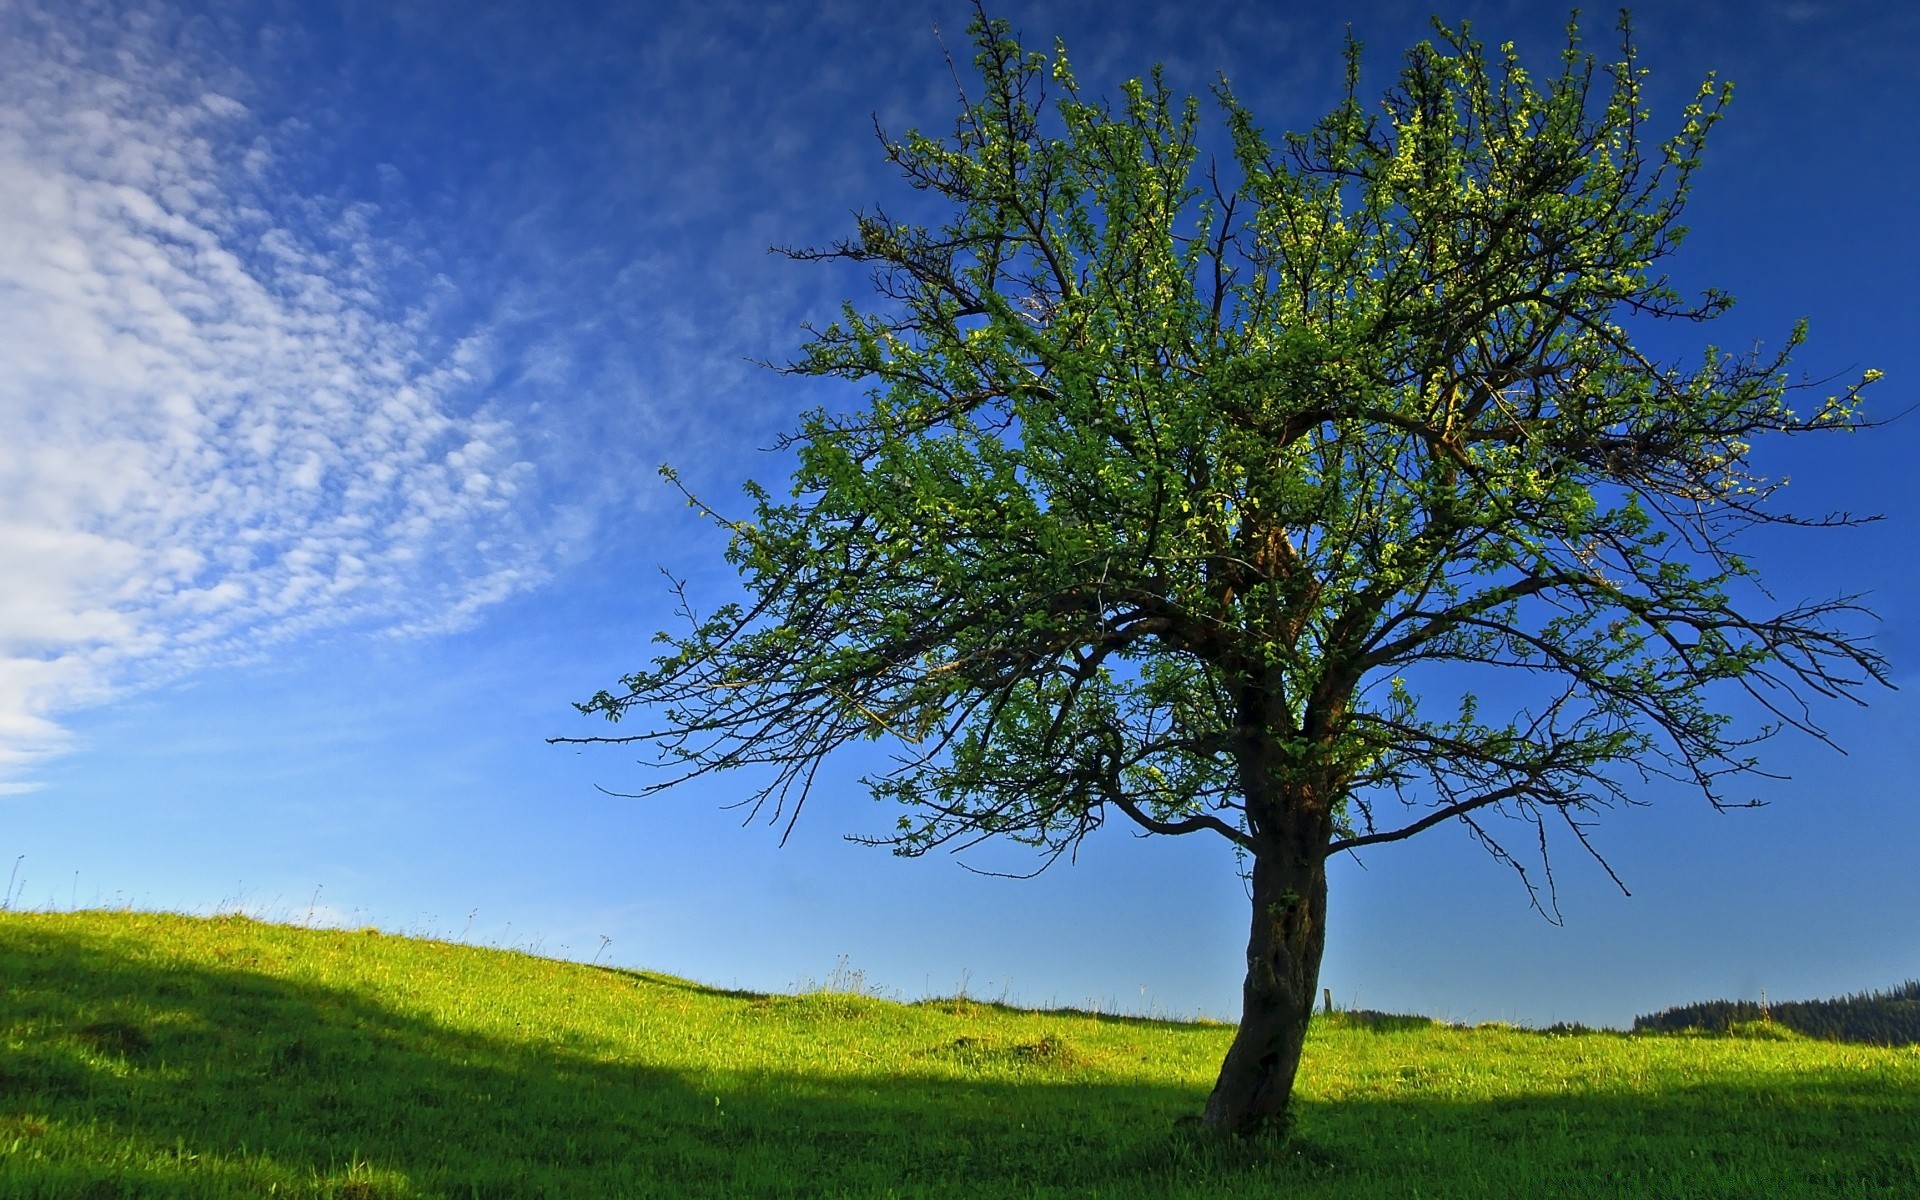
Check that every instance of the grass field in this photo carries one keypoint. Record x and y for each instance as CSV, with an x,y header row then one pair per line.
x,y
156,1055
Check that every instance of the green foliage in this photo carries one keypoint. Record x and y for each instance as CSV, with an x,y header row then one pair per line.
x,y
1216,497
326,1064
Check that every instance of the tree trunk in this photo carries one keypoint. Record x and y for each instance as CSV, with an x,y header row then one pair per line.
x,y
1283,971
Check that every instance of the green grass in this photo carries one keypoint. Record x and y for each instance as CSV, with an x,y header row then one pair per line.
x,y
157,1055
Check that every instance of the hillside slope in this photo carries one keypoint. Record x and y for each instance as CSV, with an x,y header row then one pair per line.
x,y
157,1055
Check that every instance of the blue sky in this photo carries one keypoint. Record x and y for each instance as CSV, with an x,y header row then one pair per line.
x,y
343,341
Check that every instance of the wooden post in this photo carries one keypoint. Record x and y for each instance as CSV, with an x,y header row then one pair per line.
x,y
1326,997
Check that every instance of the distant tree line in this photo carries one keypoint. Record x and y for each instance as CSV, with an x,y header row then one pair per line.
x,y
1890,1018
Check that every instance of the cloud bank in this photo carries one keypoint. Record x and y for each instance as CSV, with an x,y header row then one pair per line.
x,y
216,434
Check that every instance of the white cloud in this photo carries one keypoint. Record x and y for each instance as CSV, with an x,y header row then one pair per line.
x,y
215,435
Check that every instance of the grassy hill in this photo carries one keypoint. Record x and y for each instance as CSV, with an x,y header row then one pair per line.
x,y
154,1055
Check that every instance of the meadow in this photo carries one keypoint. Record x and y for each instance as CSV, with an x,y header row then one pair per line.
x,y
155,1055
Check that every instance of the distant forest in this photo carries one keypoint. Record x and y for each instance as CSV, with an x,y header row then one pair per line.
x,y
1890,1018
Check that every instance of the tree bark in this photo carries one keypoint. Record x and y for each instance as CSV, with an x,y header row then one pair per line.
x,y
1255,1088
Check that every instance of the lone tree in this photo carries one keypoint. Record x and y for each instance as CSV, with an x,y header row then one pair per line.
x,y
1206,497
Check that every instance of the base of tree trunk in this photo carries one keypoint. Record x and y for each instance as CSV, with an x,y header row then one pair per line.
x,y
1253,1096
1271,1131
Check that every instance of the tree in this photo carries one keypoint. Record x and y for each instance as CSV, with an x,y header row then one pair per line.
x,y
1211,498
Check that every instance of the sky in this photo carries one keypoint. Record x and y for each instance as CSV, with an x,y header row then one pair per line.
x,y
342,345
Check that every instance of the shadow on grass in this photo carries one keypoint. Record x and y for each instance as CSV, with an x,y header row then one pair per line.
x,y
167,1081
963,1006
673,982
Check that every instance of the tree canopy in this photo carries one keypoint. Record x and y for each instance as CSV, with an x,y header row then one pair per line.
x,y
1220,494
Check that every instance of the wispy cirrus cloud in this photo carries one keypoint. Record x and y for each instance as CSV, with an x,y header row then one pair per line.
x,y
216,431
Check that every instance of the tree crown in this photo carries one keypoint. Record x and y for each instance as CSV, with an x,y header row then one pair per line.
x,y
1207,496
